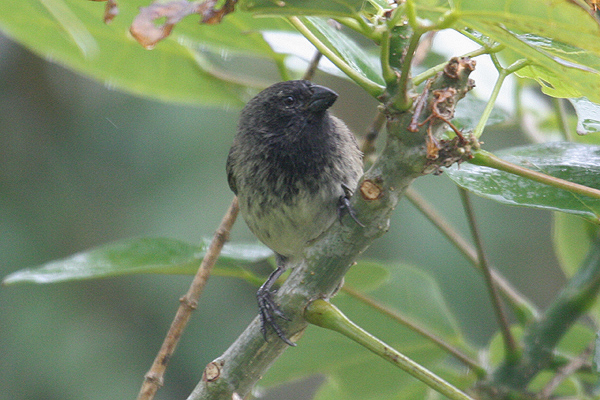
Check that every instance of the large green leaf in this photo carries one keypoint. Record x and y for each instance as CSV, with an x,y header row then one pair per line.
x,y
180,68
577,163
354,373
137,256
559,38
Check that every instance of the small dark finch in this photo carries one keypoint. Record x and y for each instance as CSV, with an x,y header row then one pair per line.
x,y
292,166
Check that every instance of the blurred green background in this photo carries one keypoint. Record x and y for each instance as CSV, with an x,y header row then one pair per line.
x,y
82,165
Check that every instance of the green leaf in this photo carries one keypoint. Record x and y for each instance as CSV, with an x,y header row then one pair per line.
x,y
588,115
565,54
577,163
181,68
468,113
329,8
572,240
354,373
137,256
366,275
346,48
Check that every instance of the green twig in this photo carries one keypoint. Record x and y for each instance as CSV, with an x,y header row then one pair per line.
x,y
389,75
325,315
561,115
403,101
396,316
524,310
371,87
511,352
502,74
423,76
486,159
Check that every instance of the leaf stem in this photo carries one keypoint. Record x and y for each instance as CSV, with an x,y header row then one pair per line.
x,y
561,115
396,316
510,348
403,101
524,310
487,159
389,75
502,74
326,315
371,87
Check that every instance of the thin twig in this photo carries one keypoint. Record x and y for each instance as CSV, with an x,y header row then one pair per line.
x,y
510,347
368,141
479,370
153,380
524,309
312,66
561,114
566,371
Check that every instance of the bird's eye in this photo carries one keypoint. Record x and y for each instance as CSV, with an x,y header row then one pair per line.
x,y
289,101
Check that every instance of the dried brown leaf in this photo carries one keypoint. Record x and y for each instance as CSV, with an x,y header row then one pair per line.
x,y
110,11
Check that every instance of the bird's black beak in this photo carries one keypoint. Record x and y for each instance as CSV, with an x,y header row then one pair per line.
x,y
321,99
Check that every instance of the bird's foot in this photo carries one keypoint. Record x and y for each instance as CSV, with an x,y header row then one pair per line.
x,y
345,207
268,312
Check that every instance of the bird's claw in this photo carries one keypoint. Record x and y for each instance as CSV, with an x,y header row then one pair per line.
x,y
268,312
344,206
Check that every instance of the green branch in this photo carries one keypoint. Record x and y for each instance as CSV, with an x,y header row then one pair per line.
x,y
326,315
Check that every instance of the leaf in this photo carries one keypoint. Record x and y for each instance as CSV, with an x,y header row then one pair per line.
x,y
136,256
572,240
329,8
346,48
468,113
577,163
354,373
190,66
366,276
565,54
588,115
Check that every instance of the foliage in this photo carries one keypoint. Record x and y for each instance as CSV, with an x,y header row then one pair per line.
x,y
212,65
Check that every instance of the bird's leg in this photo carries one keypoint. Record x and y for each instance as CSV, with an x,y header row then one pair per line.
x,y
344,205
268,310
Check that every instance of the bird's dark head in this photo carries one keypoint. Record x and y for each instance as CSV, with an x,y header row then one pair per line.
x,y
286,105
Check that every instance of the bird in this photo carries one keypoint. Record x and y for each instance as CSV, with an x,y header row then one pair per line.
x,y
293,167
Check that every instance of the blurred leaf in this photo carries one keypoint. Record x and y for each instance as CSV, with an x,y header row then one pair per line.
x,y
469,110
565,54
572,240
337,8
353,372
72,33
366,276
136,256
577,163
588,115
345,48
